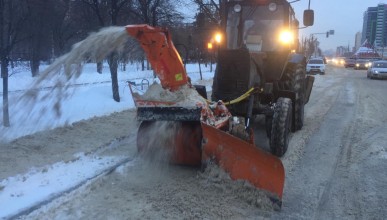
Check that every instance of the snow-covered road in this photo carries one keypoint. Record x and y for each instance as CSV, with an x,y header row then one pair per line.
x,y
334,166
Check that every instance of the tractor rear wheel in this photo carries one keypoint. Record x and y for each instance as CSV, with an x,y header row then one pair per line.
x,y
281,126
299,89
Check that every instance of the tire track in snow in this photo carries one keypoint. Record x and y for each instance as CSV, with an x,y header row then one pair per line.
x,y
50,197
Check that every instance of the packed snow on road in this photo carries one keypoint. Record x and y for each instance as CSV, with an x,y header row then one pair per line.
x,y
83,163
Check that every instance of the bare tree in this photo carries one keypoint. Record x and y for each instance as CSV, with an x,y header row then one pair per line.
x,y
108,12
65,30
312,46
13,15
209,11
38,32
156,12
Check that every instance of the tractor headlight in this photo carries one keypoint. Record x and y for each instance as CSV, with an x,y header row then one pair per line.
x,y
286,37
237,8
272,7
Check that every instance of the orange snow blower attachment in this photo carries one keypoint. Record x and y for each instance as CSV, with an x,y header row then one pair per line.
x,y
161,53
199,130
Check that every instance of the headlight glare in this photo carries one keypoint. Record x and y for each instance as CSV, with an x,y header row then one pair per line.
x,y
286,37
218,38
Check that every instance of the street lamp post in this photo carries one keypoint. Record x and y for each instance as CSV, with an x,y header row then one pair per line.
x,y
210,48
186,53
217,39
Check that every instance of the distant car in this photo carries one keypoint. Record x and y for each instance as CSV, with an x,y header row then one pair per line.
x,y
349,62
315,65
338,61
361,64
378,70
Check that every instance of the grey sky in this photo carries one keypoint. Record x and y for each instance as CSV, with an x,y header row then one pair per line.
x,y
343,16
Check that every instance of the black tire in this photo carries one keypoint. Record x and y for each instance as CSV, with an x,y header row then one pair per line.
x,y
281,126
297,79
215,86
268,125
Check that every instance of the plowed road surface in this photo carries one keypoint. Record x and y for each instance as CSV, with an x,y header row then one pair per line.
x,y
335,167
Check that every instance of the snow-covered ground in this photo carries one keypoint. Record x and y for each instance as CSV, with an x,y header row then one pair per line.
x,y
332,165
91,96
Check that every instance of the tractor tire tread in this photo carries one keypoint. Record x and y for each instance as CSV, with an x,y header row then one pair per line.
x,y
281,125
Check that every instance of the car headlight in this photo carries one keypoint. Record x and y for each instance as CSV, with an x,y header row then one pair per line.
x,y
375,71
357,65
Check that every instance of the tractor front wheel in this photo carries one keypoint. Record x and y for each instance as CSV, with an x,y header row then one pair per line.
x,y
281,126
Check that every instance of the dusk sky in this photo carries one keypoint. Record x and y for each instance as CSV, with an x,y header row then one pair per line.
x,y
345,17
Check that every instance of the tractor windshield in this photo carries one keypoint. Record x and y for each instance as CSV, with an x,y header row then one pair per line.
x,y
255,27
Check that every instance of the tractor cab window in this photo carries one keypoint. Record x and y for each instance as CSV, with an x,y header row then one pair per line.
x,y
254,27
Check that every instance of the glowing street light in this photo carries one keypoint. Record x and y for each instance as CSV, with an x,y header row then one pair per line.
x,y
218,38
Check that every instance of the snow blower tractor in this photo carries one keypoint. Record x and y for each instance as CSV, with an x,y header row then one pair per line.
x,y
260,51
253,77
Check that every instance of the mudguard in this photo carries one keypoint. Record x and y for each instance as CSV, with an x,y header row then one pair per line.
x,y
296,58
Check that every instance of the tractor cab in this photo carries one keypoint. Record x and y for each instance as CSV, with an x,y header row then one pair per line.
x,y
261,26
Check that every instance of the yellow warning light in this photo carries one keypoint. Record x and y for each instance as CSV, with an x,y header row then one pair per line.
x,y
209,45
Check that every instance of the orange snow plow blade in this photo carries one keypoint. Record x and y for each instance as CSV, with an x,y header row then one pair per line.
x,y
245,161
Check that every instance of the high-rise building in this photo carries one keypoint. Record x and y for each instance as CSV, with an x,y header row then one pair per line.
x,y
381,26
375,25
358,41
369,24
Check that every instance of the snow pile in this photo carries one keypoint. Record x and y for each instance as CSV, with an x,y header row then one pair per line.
x,y
215,177
185,96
